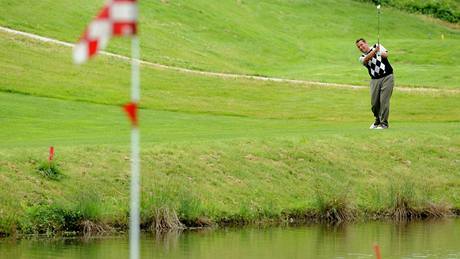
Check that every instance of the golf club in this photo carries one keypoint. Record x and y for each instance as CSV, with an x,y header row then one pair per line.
x,y
378,25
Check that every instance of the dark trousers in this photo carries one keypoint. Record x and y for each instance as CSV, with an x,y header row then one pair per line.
x,y
381,90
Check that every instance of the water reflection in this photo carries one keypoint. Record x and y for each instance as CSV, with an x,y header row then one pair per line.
x,y
439,239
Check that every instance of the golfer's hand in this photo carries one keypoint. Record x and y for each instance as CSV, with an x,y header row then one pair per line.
x,y
377,48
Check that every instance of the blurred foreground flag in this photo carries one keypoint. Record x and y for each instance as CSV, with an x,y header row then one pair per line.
x,y
117,18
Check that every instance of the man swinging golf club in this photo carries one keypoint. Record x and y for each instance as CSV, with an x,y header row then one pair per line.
x,y
375,59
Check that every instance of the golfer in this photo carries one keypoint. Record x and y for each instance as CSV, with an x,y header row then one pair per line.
x,y
375,59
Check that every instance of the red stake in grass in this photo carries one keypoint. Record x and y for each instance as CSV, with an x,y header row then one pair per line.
x,y
377,251
50,158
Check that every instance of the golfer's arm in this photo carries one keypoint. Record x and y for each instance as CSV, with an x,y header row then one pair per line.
x,y
369,56
384,54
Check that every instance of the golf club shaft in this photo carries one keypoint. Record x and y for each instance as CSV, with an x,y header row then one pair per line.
x,y
378,26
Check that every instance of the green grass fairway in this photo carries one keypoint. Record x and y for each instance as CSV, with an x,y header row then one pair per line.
x,y
224,150
311,40
41,122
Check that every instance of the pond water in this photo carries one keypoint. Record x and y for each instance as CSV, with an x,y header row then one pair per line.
x,y
426,239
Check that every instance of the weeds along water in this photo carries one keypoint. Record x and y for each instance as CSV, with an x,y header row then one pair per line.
x,y
233,182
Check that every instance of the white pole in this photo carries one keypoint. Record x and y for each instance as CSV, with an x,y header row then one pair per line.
x,y
135,83
134,222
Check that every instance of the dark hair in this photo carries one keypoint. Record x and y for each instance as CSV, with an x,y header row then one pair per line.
x,y
360,39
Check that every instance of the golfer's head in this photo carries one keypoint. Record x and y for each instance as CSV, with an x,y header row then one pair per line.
x,y
362,45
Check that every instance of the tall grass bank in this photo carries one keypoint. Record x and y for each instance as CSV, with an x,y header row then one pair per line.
x,y
337,178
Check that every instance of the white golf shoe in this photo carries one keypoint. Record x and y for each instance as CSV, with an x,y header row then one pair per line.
x,y
374,126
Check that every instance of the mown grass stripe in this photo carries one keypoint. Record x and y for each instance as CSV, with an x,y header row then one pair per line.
x,y
225,75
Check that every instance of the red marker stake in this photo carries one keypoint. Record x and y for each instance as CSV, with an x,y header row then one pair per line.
x,y
377,251
50,158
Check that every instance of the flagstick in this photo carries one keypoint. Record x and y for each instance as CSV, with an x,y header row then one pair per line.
x,y
135,55
134,222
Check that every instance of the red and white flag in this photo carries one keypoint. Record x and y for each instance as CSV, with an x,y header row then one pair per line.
x,y
116,18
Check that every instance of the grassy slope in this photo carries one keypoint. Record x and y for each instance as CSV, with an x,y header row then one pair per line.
x,y
224,149
171,91
447,10
293,39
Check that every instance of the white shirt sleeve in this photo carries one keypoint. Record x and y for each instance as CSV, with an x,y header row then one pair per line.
x,y
361,59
